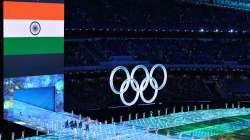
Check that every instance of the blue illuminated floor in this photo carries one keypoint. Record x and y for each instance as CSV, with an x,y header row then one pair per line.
x,y
38,118
182,118
45,120
216,129
55,124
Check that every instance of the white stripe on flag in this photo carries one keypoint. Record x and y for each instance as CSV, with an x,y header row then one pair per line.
x,y
21,28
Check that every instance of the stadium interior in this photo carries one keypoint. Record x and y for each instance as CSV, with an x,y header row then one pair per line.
x,y
204,44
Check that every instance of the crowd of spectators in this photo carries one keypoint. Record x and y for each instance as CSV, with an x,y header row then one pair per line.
x,y
236,87
90,52
91,90
157,15
95,93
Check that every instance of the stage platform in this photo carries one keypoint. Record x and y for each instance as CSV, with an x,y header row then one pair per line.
x,y
199,124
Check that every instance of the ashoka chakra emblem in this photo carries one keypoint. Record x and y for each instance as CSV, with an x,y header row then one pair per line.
x,y
35,28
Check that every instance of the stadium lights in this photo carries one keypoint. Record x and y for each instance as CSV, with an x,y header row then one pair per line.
x,y
201,30
231,31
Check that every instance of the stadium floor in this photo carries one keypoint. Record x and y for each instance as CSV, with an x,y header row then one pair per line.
x,y
214,124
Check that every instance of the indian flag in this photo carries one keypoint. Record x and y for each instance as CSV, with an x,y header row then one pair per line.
x,y
33,37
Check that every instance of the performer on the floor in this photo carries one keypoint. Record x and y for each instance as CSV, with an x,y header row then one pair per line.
x,y
75,124
37,122
127,138
133,129
87,124
157,130
84,132
47,125
67,124
80,125
30,120
100,125
74,133
96,121
117,137
147,128
71,123
94,134
20,115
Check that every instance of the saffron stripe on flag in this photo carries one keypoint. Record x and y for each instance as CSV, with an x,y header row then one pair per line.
x,y
33,10
46,1
33,45
22,28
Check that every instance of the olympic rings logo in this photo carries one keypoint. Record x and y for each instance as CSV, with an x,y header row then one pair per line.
x,y
138,88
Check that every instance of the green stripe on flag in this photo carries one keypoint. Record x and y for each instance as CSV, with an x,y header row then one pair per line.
x,y
33,45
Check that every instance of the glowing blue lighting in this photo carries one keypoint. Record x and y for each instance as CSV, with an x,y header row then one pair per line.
x,y
201,30
231,31
11,84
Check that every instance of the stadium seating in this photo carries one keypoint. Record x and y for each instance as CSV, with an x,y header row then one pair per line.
x,y
91,52
89,88
143,15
